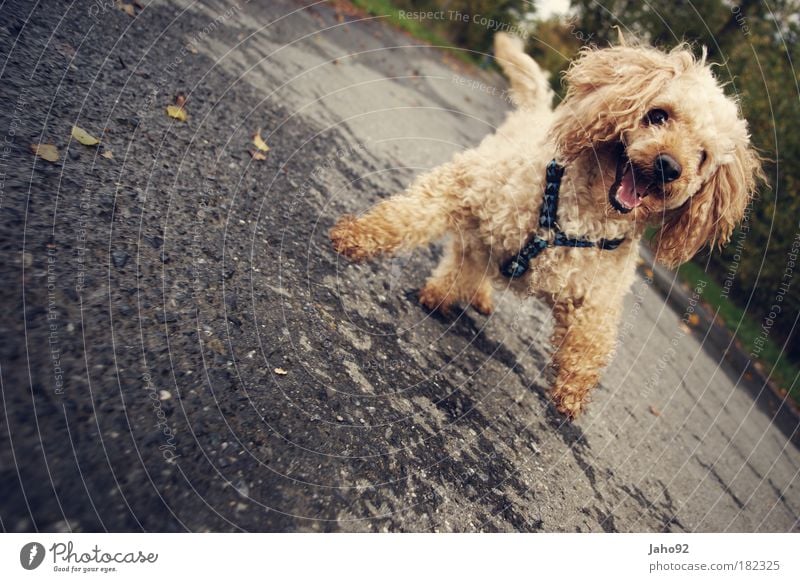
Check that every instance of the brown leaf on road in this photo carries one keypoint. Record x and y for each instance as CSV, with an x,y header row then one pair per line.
x,y
654,411
66,50
216,345
84,137
257,155
45,151
126,8
108,154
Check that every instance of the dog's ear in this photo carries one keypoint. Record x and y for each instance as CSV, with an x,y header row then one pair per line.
x,y
609,91
710,216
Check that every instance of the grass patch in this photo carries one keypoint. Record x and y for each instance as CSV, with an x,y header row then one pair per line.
x,y
745,328
414,27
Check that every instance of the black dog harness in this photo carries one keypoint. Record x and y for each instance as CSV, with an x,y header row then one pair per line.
x,y
518,265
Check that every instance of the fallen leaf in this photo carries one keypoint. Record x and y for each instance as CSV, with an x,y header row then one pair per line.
x,y
694,320
180,100
280,371
259,142
654,411
108,154
257,155
176,112
648,272
83,137
216,345
66,50
126,8
45,151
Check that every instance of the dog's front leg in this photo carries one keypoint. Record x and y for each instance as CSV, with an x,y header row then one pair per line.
x,y
583,338
418,216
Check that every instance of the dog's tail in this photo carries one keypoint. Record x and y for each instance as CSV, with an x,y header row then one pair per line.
x,y
529,86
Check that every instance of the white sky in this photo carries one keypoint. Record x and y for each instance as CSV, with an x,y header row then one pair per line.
x,y
546,8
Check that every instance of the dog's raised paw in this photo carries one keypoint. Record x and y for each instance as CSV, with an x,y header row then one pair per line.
x,y
347,239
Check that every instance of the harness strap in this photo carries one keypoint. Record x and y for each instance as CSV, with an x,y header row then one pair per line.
x,y
517,266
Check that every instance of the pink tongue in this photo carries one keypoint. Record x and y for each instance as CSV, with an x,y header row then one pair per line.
x,y
626,193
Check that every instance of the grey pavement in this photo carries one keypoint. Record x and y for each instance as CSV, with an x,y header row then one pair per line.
x,y
182,350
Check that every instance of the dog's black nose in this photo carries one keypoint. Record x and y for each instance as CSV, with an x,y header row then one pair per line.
x,y
667,168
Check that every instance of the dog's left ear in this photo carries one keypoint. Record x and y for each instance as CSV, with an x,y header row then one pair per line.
x,y
710,216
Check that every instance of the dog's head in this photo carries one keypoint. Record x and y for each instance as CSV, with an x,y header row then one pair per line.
x,y
673,148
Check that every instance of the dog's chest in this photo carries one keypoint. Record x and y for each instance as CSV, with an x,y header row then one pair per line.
x,y
571,272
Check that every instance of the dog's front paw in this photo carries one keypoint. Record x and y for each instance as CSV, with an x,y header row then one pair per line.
x,y
432,298
349,239
570,403
483,304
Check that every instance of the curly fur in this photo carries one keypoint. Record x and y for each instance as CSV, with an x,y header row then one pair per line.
x,y
490,196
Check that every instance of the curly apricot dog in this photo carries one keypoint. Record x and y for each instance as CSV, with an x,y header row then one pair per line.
x,y
554,204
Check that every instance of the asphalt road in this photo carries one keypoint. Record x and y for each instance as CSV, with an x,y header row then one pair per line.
x,y
182,350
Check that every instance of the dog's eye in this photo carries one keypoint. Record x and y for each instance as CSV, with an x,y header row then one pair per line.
x,y
656,117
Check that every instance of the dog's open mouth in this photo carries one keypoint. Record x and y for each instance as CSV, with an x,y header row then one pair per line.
x,y
629,188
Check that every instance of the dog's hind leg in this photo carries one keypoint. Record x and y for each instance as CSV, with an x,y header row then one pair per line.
x,y
584,337
418,216
461,276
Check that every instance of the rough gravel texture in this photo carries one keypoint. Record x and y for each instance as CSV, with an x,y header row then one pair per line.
x,y
152,303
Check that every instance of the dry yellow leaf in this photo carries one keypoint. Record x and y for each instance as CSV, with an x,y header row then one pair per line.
x,y
176,112
694,319
280,371
82,136
259,142
108,154
45,151
257,155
